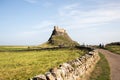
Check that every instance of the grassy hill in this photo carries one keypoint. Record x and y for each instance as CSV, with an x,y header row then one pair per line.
x,y
60,39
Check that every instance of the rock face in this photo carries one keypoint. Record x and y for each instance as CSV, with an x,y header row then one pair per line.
x,y
60,37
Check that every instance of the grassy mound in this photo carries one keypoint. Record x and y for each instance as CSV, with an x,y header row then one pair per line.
x,y
62,40
113,47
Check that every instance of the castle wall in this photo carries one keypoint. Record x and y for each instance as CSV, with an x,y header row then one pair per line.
x,y
78,69
59,29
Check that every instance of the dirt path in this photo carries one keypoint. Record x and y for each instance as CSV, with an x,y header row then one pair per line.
x,y
114,62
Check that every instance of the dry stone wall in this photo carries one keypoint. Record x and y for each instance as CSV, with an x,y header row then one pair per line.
x,y
78,69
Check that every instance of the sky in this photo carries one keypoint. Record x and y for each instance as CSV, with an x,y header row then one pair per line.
x,y
30,22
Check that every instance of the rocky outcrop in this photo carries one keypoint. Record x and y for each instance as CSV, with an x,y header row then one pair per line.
x,y
78,69
60,37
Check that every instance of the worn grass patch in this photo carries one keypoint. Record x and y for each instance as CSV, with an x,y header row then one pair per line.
x,y
102,70
24,65
114,48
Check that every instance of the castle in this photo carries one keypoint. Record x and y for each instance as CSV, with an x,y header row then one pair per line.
x,y
57,29
59,37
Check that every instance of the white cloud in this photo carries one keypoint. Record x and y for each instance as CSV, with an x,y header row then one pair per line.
x,y
68,10
72,15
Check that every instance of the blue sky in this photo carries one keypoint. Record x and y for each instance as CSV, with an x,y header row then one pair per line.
x,y
30,22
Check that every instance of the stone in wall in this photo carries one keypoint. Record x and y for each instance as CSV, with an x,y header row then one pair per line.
x,y
40,77
49,76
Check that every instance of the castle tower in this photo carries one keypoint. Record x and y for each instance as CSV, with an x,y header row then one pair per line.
x,y
60,30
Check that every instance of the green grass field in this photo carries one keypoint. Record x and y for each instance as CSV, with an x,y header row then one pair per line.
x,y
26,64
114,48
102,70
11,48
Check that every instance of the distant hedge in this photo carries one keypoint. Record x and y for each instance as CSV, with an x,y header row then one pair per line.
x,y
113,43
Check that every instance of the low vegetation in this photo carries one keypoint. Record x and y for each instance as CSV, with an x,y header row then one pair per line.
x,y
114,48
102,70
26,64
12,48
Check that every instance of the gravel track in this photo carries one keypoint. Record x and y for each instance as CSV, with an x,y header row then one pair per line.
x,y
114,62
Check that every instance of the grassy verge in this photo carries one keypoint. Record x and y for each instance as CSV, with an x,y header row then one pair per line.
x,y
102,70
114,48
24,65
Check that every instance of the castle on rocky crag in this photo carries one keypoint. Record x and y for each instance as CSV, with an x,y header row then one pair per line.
x,y
59,37
57,29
